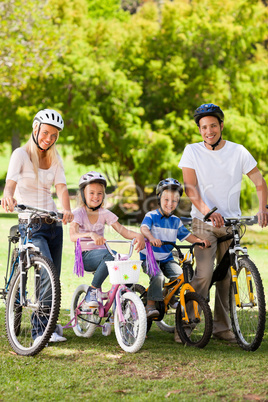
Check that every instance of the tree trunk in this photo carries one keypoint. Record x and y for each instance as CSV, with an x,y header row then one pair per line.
x,y
15,142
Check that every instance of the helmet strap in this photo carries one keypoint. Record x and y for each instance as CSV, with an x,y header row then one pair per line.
x,y
213,146
36,140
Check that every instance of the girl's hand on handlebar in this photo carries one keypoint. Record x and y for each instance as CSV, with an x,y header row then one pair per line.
x,y
139,242
68,217
8,203
217,220
98,240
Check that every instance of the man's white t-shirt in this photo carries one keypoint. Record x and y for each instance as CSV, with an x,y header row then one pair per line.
x,y
29,191
219,175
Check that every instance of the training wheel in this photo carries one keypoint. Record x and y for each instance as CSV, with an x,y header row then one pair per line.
x,y
106,329
59,329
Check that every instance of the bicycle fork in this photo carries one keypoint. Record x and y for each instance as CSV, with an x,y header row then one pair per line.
x,y
185,317
234,278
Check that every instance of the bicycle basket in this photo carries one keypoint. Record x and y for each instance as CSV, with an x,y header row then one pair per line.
x,y
123,272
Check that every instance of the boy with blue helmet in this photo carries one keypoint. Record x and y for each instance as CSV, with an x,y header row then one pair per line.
x,y
158,226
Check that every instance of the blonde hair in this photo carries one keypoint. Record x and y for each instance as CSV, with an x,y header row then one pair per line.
x,y
32,150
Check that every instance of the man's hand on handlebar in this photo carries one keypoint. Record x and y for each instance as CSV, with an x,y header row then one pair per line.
x,y
217,220
263,218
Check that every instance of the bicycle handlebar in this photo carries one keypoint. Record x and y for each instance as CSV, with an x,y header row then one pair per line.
x,y
117,255
232,220
25,208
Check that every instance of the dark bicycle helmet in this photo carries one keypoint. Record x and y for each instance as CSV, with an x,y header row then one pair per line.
x,y
169,184
208,109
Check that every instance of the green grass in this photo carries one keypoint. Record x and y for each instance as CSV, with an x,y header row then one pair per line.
x,y
97,369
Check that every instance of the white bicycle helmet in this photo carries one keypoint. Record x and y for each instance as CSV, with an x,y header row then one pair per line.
x,y
92,177
51,117
87,178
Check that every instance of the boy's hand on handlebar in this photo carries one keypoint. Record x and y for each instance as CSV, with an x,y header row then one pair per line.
x,y
139,242
206,242
68,216
156,242
8,203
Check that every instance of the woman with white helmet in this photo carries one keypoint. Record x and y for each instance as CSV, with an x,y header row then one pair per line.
x,y
33,170
88,229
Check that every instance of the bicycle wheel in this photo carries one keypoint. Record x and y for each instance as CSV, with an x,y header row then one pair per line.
x,y
142,293
38,316
130,334
198,331
248,318
86,323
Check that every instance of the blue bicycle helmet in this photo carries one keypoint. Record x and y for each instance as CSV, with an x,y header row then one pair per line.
x,y
208,109
169,184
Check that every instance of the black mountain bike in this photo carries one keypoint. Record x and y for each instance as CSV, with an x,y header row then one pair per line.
x,y
246,295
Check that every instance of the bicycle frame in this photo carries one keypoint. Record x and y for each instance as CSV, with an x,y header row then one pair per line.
x,y
113,295
182,281
235,252
24,250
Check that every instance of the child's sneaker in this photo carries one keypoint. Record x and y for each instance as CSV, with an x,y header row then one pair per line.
x,y
90,299
57,338
151,312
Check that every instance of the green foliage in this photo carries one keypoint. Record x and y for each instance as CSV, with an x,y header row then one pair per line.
x,y
128,85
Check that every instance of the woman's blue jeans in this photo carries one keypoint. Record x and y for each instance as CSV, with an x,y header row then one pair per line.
x,y
49,239
94,261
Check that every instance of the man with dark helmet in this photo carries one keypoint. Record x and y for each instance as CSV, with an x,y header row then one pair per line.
x,y
212,174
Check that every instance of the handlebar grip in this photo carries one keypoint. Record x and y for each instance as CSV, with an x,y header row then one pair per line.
x,y
206,217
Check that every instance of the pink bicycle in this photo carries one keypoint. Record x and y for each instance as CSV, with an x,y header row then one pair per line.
x,y
119,304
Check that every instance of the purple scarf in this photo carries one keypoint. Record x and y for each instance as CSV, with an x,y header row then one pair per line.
x,y
151,265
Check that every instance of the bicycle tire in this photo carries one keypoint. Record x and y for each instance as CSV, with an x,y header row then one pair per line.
x,y
248,321
86,323
40,307
131,334
196,333
142,293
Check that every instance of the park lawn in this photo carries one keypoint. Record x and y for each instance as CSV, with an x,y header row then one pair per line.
x,y
96,369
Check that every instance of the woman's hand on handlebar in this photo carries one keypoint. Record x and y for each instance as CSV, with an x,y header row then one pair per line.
x,y
68,216
8,203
